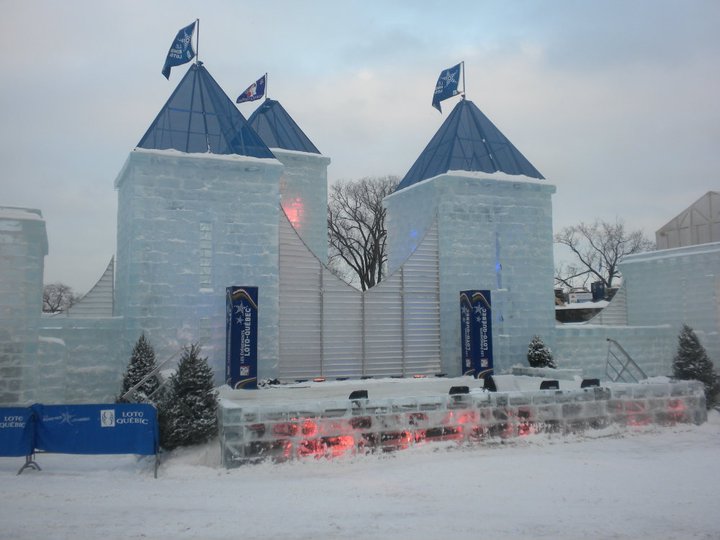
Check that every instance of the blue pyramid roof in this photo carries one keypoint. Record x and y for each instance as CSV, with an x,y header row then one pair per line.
x,y
277,129
200,118
468,141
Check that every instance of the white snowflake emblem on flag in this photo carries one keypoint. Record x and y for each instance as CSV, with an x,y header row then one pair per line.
x,y
449,77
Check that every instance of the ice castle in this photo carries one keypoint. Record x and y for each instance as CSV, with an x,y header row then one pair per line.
x,y
208,199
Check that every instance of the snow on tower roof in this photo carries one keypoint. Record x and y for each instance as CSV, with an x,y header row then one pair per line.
x,y
200,118
468,141
277,129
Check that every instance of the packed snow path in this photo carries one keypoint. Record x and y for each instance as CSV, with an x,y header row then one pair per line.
x,y
660,483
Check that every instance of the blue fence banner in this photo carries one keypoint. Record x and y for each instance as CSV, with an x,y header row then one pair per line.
x,y
17,431
241,325
476,333
118,428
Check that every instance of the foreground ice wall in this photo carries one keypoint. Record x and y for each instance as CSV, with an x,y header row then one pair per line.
x,y
252,431
495,233
23,246
190,225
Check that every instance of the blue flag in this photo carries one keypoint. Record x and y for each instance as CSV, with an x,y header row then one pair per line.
x,y
447,86
255,91
181,50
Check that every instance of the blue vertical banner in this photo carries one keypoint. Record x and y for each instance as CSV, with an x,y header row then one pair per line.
x,y
476,333
17,431
241,325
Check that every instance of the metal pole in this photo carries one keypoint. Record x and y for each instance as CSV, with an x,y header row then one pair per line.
x,y
197,42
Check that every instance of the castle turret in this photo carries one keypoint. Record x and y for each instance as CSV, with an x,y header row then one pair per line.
x,y
494,226
198,203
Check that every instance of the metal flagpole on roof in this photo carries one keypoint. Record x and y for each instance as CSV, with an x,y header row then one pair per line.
x,y
197,41
463,72
266,86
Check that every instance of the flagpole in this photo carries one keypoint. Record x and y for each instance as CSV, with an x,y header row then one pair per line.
x,y
266,86
463,70
197,41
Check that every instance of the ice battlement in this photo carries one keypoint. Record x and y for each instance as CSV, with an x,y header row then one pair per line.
x,y
308,422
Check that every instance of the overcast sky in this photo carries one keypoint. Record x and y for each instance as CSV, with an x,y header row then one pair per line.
x,y
615,102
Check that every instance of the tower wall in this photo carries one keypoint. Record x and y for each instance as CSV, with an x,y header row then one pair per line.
x,y
23,246
494,234
190,225
303,195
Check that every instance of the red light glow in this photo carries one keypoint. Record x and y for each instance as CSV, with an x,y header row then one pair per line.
x,y
294,210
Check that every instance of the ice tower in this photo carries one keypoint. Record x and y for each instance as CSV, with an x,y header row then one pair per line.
x,y
23,246
303,185
198,205
494,217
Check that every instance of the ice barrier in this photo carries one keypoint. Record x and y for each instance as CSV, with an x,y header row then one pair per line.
x,y
251,433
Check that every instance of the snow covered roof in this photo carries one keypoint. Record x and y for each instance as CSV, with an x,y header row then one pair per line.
x,y
277,129
468,141
200,118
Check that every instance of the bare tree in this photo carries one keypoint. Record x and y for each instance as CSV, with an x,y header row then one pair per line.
x,y
597,249
58,297
356,226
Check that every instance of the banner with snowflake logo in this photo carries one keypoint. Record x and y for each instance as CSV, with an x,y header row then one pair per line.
x,y
241,334
476,333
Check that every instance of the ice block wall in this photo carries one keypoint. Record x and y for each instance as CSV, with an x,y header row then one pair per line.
x,y
253,432
676,286
585,347
23,246
83,359
494,233
190,225
303,195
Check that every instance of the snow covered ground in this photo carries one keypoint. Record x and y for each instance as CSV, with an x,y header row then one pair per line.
x,y
660,483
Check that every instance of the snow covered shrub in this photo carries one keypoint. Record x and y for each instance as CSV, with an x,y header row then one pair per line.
x,y
691,362
188,410
142,362
539,354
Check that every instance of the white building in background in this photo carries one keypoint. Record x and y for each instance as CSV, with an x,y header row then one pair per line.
x,y
697,224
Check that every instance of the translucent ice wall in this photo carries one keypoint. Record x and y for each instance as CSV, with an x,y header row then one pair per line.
x,y
23,246
190,225
252,431
303,195
495,234
676,286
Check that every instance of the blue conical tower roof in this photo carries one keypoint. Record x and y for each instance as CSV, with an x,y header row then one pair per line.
x,y
277,129
468,141
200,118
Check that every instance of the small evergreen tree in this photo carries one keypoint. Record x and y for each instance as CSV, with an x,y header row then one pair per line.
x,y
142,362
692,363
539,354
188,410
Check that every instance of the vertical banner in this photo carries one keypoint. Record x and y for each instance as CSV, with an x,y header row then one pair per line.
x,y
242,335
476,333
17,431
